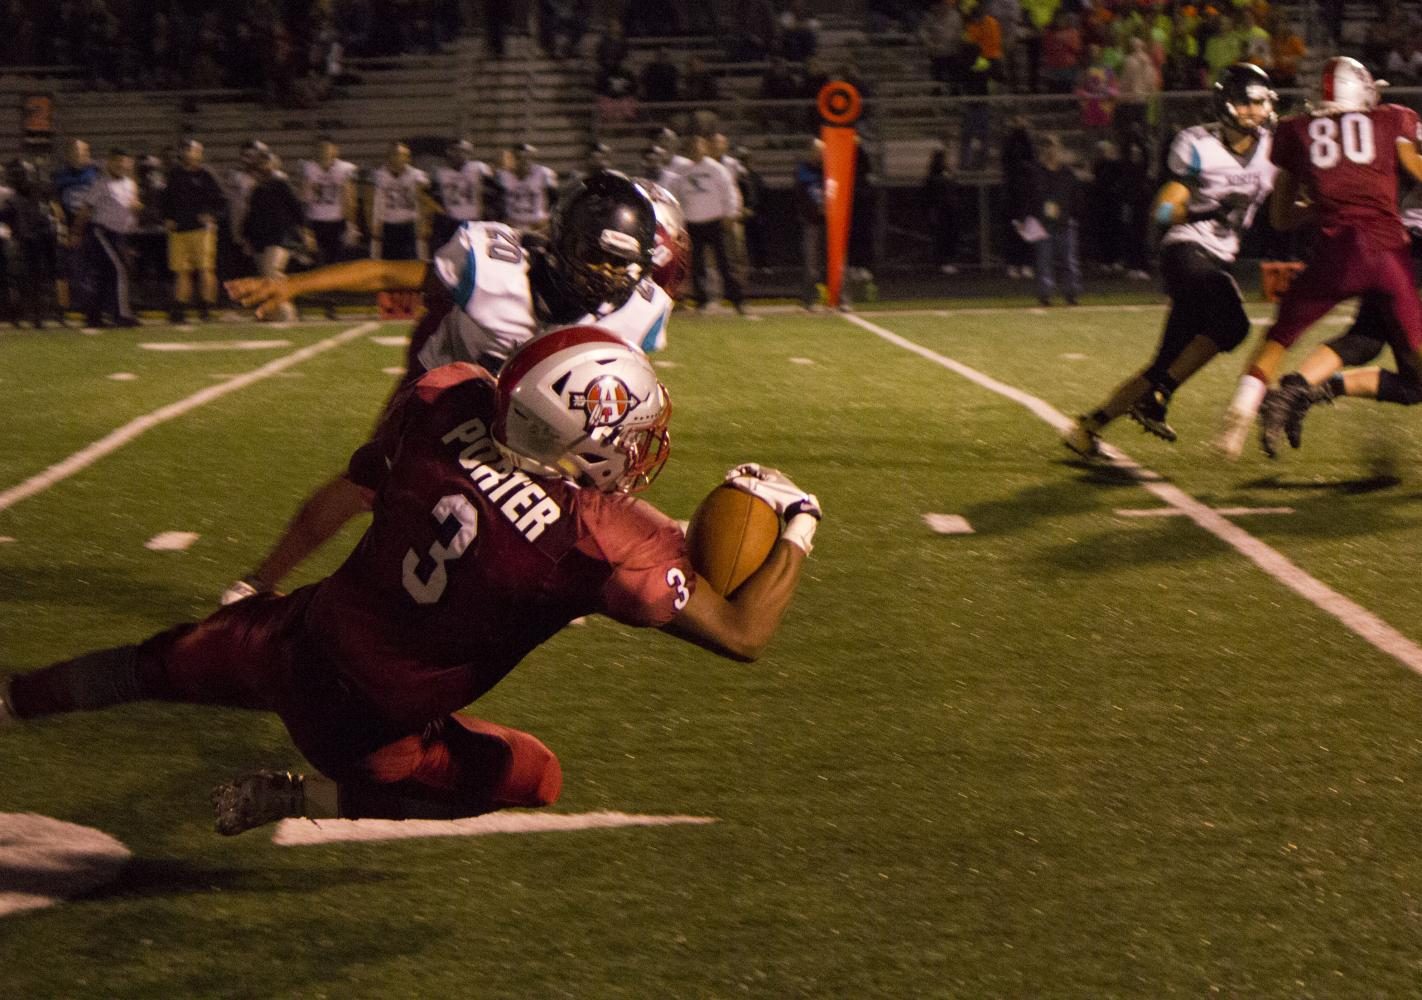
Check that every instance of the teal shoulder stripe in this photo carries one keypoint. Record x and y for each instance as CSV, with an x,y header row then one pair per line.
x,y
465,290
649,342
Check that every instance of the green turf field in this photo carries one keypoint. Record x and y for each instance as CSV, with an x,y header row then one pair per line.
x,y
1073,754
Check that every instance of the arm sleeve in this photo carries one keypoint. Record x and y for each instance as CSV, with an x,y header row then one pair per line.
x,y
1183,161
652,577
454,265
1285,152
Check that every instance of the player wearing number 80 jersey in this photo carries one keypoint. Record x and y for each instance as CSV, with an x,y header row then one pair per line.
x,y
1338,166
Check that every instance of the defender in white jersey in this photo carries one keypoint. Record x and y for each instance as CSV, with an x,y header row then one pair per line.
x,y
459,189
529,191
328,198
1220,175
489,290
396,206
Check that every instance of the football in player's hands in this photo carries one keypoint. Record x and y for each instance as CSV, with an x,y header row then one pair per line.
x,y
730,536
775,488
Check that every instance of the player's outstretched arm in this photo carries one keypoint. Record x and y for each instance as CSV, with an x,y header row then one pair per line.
x,y
741,626
266,294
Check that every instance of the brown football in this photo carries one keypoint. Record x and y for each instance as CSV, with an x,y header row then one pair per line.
x,y
729,537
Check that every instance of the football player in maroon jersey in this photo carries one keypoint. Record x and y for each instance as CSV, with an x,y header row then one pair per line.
x,y
1338,167
566,279
502,512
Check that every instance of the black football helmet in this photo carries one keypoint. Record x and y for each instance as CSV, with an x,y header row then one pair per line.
x,y
602,237
1239,85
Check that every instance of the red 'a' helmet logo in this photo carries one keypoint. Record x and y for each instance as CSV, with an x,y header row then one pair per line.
x,y
606,401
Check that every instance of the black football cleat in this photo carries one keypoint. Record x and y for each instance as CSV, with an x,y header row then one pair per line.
x,y
1282,413
1150,412
257,799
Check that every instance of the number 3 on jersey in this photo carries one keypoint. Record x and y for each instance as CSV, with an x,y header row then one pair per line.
x,y
456,525
1356,132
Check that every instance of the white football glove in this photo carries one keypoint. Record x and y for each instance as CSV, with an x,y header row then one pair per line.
x,y
800,510
240,591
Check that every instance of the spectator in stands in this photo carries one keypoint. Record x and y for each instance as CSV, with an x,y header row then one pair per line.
x,y
780,83
399,203
498,18
754,31
660,79
192,202
273,226
611,48
1256,42
1096,90
983,35
1061,54
941,33
30,251
711,202
699,84
529,190
1056,208
799,32
1008,15
1139,85
107,215
616,90
810,214
1224,47
1289,52
940,197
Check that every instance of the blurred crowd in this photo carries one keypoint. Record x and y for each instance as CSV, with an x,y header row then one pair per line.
x,y
96,235
290,51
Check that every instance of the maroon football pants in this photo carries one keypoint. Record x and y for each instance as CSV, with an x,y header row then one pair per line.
x,y
255,654
1346,266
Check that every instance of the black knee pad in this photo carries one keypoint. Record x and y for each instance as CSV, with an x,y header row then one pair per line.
x,y
1356,347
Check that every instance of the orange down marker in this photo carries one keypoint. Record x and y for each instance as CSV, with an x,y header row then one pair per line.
x,y
840,107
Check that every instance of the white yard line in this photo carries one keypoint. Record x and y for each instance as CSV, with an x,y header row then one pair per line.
x,y
1352,615
305,832
87,456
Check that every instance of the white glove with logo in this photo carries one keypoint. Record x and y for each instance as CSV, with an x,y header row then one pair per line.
x,y
800,510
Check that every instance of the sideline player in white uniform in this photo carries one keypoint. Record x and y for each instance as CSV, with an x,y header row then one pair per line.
x,y
489,290
459,189
399,197
529,191
1221,174
328,197
712,204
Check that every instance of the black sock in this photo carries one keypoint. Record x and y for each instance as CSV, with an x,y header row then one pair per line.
x,y
1333,387
95,680
1097,419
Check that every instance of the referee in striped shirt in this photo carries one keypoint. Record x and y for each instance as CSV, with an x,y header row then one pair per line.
x,y
108,214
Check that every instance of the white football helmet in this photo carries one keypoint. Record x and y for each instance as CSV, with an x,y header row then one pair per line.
x,y
671,259
1345,85
581,403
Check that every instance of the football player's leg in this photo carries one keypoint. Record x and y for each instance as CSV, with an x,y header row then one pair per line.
x,y
323,514
458,766
233,658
